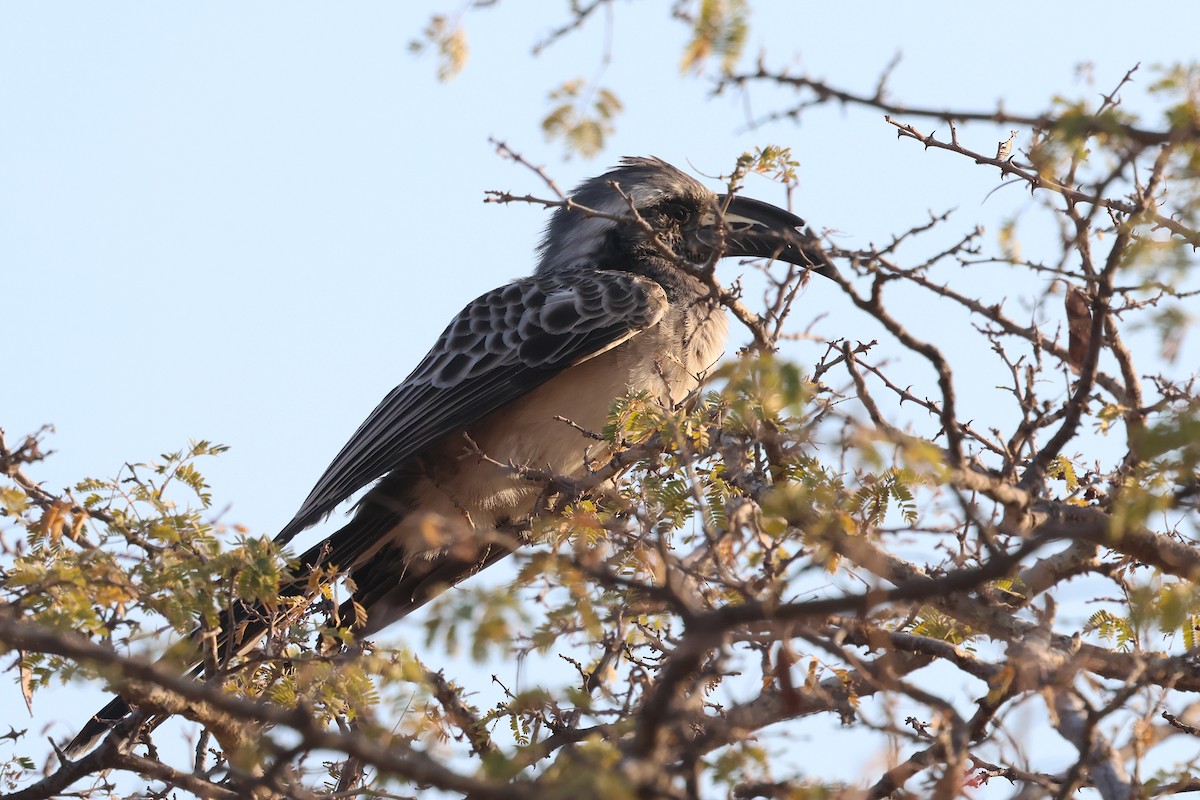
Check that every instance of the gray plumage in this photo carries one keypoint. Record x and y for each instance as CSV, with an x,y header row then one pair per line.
x,y
605,313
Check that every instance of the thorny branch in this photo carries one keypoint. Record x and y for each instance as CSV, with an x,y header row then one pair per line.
x,y
755,563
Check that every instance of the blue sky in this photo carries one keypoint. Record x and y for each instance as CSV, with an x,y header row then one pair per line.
x,y
246,222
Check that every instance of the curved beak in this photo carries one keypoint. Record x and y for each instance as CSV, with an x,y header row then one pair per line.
x,y
755,228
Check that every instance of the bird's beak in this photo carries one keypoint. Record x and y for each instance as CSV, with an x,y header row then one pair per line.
x,y
754,228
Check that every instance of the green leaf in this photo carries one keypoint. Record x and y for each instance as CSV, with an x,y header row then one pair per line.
x,y
718,30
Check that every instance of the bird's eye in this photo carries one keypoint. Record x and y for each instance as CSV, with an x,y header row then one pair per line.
x,y
677,212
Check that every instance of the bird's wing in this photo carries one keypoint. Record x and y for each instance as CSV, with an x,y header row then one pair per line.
x,y
498,348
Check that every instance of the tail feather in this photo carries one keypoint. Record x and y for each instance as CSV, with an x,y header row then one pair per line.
x,y
389,583
95,729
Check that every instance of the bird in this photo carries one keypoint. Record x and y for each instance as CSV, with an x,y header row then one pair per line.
x,y
616,305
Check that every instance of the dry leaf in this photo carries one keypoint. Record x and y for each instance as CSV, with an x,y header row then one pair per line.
x,y
26,683
54,520
1004,149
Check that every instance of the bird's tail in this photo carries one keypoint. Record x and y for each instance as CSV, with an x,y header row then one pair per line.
x,y
95,729
390,581
250,622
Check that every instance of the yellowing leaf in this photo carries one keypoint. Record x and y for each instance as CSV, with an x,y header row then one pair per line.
x,y
999,683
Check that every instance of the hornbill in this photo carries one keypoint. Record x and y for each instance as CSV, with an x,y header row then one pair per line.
x,y
615,306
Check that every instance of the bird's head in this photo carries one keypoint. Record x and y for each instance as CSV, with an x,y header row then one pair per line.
x,y
692,221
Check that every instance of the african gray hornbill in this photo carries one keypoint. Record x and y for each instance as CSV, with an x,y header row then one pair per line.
x,y
613,307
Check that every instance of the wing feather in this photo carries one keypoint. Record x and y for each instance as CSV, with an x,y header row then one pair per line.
x,y
501,346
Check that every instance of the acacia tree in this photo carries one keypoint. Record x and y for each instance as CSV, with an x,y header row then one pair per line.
x,y
840,544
